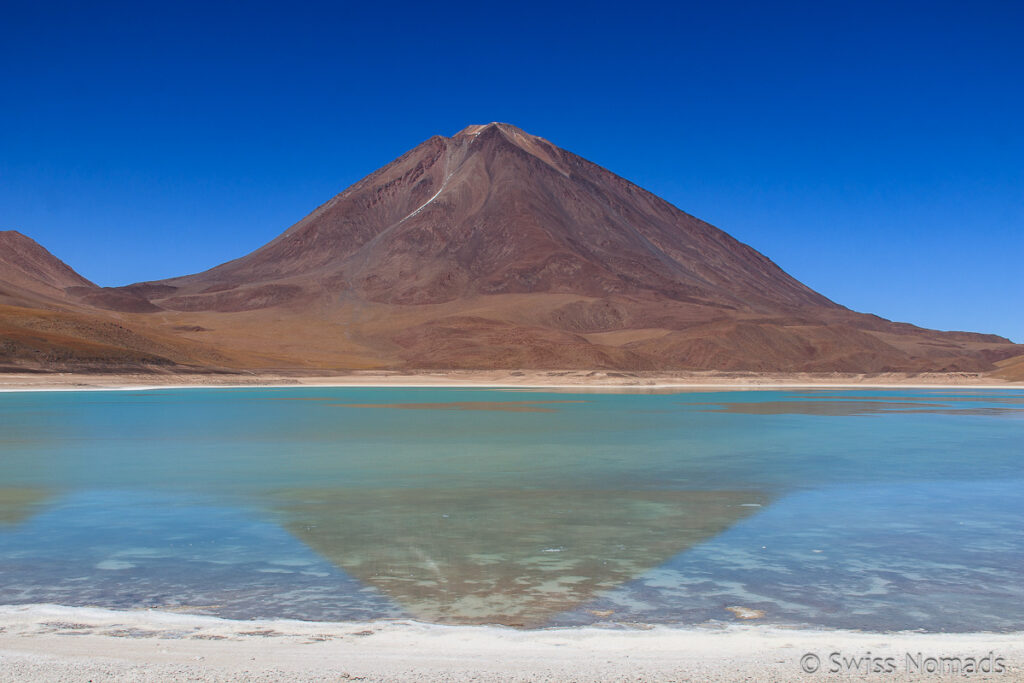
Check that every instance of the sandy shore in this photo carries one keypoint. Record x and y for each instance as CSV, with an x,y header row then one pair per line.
x,y
526,379
49,643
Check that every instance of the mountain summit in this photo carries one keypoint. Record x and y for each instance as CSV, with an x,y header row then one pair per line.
x,y
495,210
494,248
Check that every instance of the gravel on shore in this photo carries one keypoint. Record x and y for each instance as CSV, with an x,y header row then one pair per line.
x,y
51,643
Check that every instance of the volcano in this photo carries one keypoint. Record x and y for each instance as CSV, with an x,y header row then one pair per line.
x,y
494,248
490,211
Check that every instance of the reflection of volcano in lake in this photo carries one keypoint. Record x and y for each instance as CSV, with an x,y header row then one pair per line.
x,y
510,557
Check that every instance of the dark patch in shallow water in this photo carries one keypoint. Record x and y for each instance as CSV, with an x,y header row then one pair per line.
x,y
504,406
842,406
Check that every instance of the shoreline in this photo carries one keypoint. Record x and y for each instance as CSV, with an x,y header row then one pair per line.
x,y
486,379
50,642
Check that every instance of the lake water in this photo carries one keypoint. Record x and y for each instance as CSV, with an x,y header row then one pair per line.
x,y
891,510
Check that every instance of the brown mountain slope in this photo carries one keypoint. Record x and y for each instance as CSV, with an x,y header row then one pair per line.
x,y
496,249
1011,369
28,272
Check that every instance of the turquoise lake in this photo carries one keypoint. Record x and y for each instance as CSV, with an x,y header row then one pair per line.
x,y
897,509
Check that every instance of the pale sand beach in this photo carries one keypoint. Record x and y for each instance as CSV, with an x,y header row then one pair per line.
x,y
50,643
524,379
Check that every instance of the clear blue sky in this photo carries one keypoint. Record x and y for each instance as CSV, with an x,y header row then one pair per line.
x,y
874,150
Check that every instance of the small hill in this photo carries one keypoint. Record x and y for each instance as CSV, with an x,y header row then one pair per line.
x,y
30,272
47,322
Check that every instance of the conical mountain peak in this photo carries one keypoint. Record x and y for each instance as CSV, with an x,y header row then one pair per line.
x,y
506,128
517,137
495,210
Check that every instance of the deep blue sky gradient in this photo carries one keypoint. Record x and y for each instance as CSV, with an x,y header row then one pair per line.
x,y
874,150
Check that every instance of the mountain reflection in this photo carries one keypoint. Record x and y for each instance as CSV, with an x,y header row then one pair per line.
x,y
508,557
